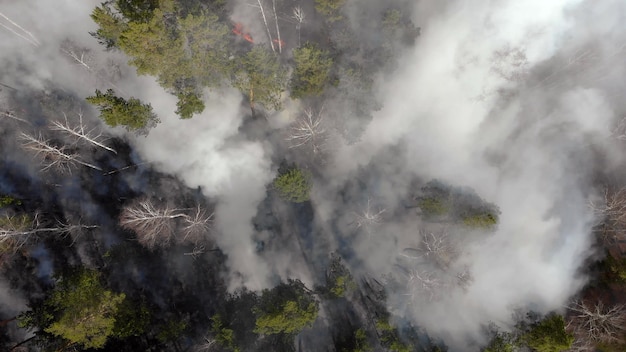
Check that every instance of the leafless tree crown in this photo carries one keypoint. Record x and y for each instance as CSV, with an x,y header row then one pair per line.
x,y
597,323
308,131
53,157
368,217
81,133
156,225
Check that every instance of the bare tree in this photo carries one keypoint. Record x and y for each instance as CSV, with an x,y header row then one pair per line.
x,y
83,57
267,27
154,225
207,344
308,131
18,30
11,115
369,217
57,157
298,16
435,246
280,42
597,323
18,230
424,283
81,132
464,278
197,225
613,213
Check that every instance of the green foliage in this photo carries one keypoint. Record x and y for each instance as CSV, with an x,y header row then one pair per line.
x,y
155,49
312,71
189,104
110,25
207,43
261,78
484,221
342,285
224,336
338,277
389,336
5,201
285,309
172,330
501,342
459,205
116,111
85,310
133,319
548,335
330,9
614,269
293,185
434,207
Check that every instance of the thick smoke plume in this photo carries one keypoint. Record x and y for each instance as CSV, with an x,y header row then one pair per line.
x,y
472,104
511,98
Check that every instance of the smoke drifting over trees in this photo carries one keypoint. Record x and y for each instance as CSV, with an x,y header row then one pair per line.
x,y
319,175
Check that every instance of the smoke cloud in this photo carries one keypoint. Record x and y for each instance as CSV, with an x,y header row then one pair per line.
x,y
472,104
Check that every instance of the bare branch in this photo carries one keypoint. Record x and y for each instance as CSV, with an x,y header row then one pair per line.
x,y
280,42
369,217
53,156
298,15
81,132
597,323
422,282
434,246
153,225
308,131
197,225
269,34
19,31
11,115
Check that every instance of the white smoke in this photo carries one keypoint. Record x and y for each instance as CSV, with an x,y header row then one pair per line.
x,y
208,151
465,93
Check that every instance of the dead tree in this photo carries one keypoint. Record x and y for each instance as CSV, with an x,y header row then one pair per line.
x,y
613,213
280,42
11,115
154,225
53,157
424,283
298,16
19,31
80,132
464,278
308,131
84,58
196,225
597,323
267,27
369,217
19,230
434,246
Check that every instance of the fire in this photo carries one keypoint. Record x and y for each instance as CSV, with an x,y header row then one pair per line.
x,y
238,30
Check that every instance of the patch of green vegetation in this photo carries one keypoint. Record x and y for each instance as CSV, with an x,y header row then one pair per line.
x,y
172,331
342,285
285,309
434,207
81,310
223,335
548,335
484,221
312,71
390,338
458,205
294,185
116,111
6,201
